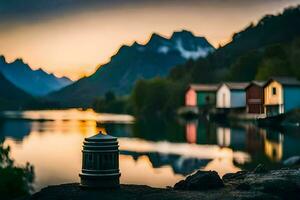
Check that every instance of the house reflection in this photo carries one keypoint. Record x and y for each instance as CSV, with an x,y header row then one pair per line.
x,y
191,132
265,141
232,137
223,136
205,133
209,133
254,141
260,143
273,144
200,132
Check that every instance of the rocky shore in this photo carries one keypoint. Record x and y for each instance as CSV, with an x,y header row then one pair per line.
x,y
257,184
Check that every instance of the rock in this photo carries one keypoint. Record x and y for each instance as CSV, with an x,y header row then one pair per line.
x,y
281,187
201,180
292,161
243,186
181,185
260,169
237,175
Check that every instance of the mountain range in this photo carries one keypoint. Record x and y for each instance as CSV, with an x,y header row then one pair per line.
x,y
248,56
268,48
130,63
34,82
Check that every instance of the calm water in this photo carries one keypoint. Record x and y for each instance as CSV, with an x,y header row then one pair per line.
x,y
155,153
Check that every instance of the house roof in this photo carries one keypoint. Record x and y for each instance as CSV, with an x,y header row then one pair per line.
x,y
285,81
204,87
236,85
258,83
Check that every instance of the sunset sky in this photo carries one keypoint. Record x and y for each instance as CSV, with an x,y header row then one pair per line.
x,y
72,37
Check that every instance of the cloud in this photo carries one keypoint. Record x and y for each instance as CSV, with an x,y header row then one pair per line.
x,y
35,10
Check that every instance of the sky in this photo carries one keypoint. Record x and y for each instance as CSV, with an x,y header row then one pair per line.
x,y
74,37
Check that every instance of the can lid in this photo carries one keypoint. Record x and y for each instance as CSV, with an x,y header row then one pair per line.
x,y
101,137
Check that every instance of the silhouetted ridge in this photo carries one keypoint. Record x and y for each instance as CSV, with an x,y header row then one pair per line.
x,y
35,82
131,63
11,97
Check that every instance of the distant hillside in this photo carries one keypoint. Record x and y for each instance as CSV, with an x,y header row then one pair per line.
x,y
269,48
271,29
275,60
34,82
246,50
12,97
134,62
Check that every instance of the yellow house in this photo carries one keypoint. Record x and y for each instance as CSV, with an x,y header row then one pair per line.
x,y
273,98
281,95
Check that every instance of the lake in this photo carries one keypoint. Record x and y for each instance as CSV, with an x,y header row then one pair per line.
x,y
155,153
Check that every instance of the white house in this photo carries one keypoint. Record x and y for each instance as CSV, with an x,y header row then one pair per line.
x,y
231,95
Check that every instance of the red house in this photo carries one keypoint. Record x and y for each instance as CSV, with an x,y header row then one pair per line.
x,y
255,97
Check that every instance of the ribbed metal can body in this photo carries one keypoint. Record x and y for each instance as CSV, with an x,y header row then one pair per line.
x,y
100,162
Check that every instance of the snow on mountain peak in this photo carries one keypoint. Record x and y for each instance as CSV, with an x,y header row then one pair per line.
x,y
194,54
183,42
163,49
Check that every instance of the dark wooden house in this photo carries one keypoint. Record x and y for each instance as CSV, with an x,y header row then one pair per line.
x,y
255,97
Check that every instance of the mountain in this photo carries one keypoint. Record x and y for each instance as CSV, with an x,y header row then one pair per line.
x,y
34,82
134,62
268,48
243,58
12,97
184,43
271,29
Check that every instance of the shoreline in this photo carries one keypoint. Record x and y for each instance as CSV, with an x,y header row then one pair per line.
x,y
257,184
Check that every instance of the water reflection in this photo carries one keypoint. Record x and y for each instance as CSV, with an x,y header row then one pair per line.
x,y
179,164
200,132
66,115
268,146
273,145
223,136
14,129
183,157
156,153
141,171
266,141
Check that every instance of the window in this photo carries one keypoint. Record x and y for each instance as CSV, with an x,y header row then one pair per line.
x,y
273,90
207,99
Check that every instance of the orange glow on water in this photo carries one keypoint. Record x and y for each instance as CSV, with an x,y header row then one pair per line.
x,y
52,143
53,146
156,177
